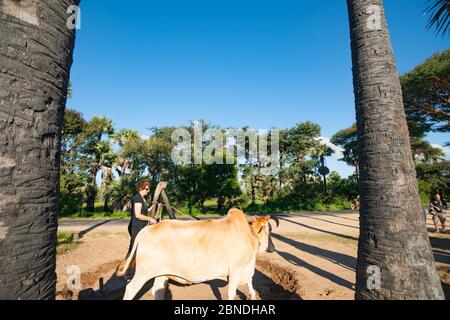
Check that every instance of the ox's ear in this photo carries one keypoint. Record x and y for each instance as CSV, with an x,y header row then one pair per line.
x,y
265,219
251,219
259,223
256,225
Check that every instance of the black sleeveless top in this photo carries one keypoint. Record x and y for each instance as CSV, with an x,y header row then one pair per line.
x,y
135,221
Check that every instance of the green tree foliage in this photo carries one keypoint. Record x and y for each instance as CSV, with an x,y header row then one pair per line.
x,y
430,162
110,162
86,150
303,148
97,156
73,179
434,177
189,185
424,152
343,188
426,95
440,16
122,191
101,163
348,140
427,104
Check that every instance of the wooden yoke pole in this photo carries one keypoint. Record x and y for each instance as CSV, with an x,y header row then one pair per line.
x,y
160,190
167,204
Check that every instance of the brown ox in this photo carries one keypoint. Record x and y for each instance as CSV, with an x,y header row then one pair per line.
x,y
199,251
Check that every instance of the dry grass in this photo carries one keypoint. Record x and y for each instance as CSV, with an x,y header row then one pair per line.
x,y
65,243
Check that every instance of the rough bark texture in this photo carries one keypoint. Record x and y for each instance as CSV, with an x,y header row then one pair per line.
x,y
393,233
35,58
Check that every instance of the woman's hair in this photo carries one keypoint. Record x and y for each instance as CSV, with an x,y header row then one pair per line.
x,y
141,185
433,197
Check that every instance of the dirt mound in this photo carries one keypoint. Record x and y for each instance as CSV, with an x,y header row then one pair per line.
x,y
91,278
283,284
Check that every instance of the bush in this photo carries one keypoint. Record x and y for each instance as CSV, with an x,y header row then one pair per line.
x,y
121,193
424,192
70,203
291,204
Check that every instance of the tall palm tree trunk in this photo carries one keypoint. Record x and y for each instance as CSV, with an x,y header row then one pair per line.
x,y
92,192
35,58
393,234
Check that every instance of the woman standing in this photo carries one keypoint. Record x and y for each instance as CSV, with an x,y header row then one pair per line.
x,y
139,210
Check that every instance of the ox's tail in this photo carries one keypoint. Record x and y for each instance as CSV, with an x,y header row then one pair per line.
x,y
125,264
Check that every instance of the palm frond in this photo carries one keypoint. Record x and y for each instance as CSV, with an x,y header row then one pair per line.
x,y
440,16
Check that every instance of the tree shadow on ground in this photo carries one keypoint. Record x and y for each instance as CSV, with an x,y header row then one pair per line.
x,y
344,236
325,274
346,218
440,243
338,258
336,214
84,232
441,257
215,286
328,221
440,248
264,285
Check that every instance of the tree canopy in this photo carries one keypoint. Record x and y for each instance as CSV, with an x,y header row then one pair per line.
x,y
426,95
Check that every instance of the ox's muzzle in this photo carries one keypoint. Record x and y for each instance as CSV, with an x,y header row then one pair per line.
x,y
271,246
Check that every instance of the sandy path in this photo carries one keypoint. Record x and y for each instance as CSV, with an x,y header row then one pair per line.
x,y
315,259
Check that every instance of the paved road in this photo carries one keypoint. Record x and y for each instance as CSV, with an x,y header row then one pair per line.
x,y
121,222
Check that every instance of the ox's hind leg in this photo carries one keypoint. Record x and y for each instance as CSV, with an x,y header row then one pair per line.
x,y
233,283
159,288
247,275
252,293
135,285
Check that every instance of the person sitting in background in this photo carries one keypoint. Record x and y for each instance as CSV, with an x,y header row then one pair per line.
x,y
438,209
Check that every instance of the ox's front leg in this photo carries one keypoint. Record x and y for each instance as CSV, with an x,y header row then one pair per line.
x,y
134,286
159,288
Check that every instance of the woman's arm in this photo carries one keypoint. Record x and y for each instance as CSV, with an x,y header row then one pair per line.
x,y
140,216
151,208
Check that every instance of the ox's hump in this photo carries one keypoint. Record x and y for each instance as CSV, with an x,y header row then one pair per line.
x,y
236,213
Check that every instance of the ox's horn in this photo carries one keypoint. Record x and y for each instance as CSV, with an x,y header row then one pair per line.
x,y
275,218
251,219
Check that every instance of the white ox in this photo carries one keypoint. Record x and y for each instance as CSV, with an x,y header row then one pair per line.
x,y
199,251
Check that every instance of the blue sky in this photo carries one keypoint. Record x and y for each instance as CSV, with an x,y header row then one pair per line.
x,y
232,62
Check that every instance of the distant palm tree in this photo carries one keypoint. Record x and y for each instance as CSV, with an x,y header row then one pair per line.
x,y
394,247
99,154
440,16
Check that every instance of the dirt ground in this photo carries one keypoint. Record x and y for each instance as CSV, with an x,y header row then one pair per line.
x,y
315,260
